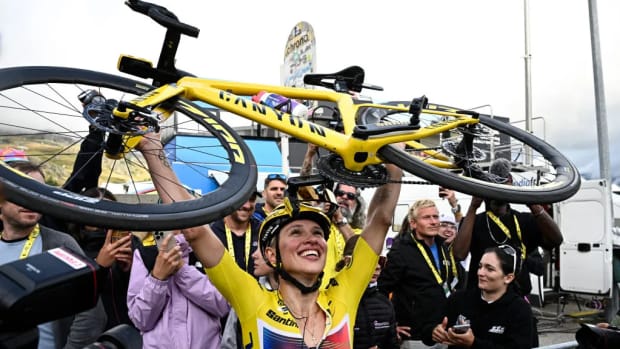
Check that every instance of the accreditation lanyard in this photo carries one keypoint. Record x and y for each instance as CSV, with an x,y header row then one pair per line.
x,y
432,265
231,246
30,242
501,225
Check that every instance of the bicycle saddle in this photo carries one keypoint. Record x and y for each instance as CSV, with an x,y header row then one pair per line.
x,y
346,80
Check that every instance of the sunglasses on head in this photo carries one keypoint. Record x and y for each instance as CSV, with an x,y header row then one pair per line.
x,y
509,250
350,196
276,176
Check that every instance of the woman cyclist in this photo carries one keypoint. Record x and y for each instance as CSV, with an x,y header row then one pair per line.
x,y
292,239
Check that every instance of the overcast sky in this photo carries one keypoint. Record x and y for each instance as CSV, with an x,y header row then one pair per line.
x,y
459,53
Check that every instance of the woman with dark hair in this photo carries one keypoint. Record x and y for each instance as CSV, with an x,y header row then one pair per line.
x,y
112,250
493,316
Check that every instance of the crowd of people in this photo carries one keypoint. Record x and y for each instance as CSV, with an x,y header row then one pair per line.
x,y
268,276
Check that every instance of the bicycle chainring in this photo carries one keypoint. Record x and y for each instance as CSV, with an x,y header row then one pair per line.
x,y
332,167
100,116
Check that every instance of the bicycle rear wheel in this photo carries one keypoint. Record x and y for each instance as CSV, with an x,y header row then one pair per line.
x,y
540,175
41,115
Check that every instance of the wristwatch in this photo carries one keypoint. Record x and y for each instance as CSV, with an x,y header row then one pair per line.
x,y
342,222
456,208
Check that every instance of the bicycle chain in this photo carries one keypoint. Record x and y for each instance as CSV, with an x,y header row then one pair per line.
x,y
411,182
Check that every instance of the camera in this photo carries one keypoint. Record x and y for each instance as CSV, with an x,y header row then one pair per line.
x,y
47,286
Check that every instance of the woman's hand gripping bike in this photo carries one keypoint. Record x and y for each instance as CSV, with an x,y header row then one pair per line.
x,y
41,112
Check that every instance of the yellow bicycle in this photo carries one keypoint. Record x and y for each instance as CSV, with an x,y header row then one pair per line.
x,y
40,110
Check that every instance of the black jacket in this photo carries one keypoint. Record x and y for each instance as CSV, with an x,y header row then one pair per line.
x,y
219,229
505,323
259,212
376,322
418,299
482,239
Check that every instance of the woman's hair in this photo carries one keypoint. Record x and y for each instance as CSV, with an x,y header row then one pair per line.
x,y
405,228
509,258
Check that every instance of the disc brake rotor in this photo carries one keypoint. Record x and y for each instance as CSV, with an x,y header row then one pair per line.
x,y
100,116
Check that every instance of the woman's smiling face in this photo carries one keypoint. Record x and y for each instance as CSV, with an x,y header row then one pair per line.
x,y
302,249
491,277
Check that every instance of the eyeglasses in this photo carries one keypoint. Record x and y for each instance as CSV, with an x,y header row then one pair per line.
x,y
350,196
509,250
448,225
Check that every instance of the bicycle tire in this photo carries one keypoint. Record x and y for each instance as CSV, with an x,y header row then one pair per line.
x,y
563,184
238,184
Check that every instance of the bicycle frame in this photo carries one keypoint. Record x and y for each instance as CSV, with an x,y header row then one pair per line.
x,y
356,152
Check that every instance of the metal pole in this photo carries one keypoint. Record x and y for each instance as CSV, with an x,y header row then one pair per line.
x,y
528,79
599,95
601,129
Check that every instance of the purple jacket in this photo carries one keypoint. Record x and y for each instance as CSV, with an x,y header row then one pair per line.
x,y
183,311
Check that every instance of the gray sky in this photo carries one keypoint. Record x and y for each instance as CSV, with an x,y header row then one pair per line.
x,y
460,53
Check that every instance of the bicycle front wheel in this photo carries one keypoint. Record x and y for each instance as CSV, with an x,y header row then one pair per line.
x,y
42,116
540,173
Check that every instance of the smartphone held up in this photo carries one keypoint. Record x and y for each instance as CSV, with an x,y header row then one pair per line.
x,y
160,236
118,234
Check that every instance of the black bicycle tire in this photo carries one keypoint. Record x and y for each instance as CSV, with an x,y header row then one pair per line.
x,y
565,185
140,217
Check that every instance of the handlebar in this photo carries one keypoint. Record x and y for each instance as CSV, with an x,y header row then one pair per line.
x,y
162,16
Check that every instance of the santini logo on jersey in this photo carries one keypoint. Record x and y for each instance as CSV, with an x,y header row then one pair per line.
x,y
277,318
